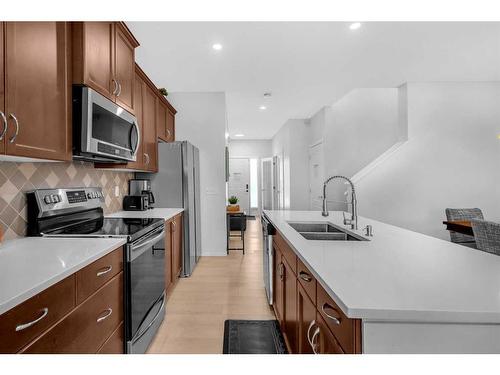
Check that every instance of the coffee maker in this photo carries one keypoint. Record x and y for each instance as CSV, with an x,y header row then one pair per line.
x,y
141,187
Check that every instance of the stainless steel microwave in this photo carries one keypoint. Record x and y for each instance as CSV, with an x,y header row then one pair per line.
x,y
102,130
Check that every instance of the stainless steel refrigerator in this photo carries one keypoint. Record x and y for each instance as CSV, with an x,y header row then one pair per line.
x,y
177,184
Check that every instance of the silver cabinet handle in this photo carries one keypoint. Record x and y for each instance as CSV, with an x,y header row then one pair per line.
x,y
104,271
115,86
313,340
119,89
168,133
305,276
21,327
174,226
147,158
5,125
17,128
335,319
309,332
281,271
109,311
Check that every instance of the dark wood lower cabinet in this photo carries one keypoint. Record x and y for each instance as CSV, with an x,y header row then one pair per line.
x,y
174,240
115,343
278,285
323,339
306,316
290,307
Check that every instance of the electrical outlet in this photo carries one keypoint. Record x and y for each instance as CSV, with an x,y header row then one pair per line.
x,y
117,191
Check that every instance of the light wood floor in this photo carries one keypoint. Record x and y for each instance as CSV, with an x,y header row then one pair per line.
x,y
229,287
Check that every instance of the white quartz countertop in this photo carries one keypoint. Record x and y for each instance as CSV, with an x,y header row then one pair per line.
x,y
155,213
398,275
32,264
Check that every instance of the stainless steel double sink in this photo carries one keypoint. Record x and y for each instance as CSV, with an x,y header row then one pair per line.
x,y
324,232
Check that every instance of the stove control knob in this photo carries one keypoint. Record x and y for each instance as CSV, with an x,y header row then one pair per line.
x,y
89,195
47,199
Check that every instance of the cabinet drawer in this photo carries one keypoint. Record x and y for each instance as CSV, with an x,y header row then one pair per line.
x,y
343,328
307,280
114,343
42,311
88,327
288,253
96,274
325,342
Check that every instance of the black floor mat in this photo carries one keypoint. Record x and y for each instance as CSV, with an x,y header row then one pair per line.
x,y
253,337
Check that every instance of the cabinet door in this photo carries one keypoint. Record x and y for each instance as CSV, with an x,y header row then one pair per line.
x,y
37,90
170,125
97,57
2,94
177,245
306,315
278,285
323,340
290,304
124,69
149,130
168,255
161,120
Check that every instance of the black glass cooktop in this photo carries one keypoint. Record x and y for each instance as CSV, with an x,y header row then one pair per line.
x,y
107,227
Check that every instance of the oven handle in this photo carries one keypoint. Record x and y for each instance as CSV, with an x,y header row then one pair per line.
x,y
152,321
137,249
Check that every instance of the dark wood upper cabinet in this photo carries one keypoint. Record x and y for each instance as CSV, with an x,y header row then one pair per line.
x,y
150,147
104,59
124,67
165,120
37,90
3,118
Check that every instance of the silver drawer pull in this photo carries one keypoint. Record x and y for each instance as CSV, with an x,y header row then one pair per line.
x,y
13,138
313,340
21,327
335,319
309,331
104,271
5,125
305,276
108,313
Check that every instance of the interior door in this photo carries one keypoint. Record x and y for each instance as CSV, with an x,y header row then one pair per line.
x,y
124,69
277,183
267,183
316,176
37,90
239,182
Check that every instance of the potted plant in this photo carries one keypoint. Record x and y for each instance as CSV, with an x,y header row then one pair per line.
x,y
163,91
232,203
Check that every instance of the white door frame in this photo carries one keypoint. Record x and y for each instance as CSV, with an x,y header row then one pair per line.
x,y
249,184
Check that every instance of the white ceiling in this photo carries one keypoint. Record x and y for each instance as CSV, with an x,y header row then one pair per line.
x,y
307,65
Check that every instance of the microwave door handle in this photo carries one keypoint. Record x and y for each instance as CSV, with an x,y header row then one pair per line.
x,y
136,125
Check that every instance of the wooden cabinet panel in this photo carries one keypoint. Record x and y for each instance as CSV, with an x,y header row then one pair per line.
x,y
278,284
37,90
325,342
93,56
290,307
150,148
124,68
177,234
306,315
307,280
115,343
3,119
88,327
98,273
168,256
287,251
171,125
165,120
46,308
346,330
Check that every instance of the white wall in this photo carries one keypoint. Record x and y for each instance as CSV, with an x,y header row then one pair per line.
x,y
450,160
250,149
201,120
291,144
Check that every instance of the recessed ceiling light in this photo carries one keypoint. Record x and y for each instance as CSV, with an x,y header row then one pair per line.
x,y
217,46
239,135
267,95
355,25
262,107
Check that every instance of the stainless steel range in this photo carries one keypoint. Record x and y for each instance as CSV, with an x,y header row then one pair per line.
x,y
78,212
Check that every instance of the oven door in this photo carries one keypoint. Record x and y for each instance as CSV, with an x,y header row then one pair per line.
x,y
107,129
145,289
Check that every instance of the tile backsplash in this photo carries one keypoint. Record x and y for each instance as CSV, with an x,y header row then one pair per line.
x,y
17,178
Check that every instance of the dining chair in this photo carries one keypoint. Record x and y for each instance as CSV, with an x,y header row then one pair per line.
x,y
487,234
463,214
